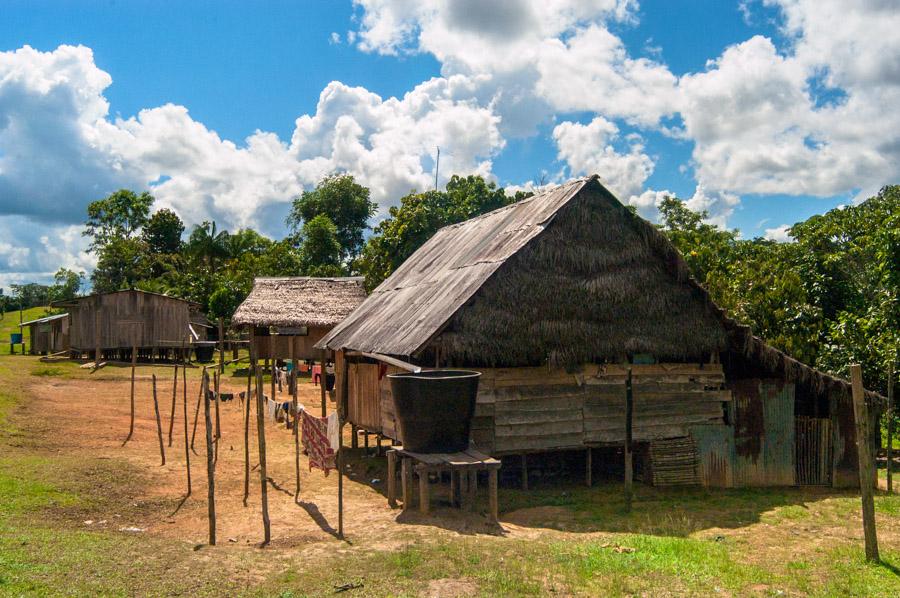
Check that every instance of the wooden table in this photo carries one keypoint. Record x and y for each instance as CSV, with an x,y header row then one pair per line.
x,y
463,468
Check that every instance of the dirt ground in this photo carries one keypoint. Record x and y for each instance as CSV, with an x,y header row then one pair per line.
x,y
96,422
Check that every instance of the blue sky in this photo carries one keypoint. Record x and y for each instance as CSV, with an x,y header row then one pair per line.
x,y
748,109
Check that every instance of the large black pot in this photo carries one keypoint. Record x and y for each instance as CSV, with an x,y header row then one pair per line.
x,y
434,409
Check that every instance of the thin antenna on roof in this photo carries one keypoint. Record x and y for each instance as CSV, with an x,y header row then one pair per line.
x,y
437,166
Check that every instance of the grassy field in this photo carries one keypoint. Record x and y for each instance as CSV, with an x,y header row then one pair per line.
x,y
10,323
561,539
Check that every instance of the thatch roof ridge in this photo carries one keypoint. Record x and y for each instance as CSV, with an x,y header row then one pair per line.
x,y
300,301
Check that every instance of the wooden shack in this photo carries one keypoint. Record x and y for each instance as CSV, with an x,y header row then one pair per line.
x,y
555,298
116,322
48,335
296,311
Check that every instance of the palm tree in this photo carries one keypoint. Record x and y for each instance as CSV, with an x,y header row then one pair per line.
x,y
208,245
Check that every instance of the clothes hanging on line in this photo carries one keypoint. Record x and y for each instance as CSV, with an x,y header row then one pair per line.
x,y
316,442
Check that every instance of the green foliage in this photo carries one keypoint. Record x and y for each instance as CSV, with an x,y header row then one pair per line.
x,y
320,249
163,231
118,216
419,216
208,245
346,204
67,284
122,264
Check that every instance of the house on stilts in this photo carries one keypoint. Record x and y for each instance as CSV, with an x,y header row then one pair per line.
x,y
555,299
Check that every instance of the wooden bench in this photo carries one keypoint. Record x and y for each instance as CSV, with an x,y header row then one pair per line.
x,y
463,467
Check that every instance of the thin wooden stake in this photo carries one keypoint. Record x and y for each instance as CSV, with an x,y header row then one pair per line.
x,y
890,429
218,422
345,388
221,346
261,436
296,408
159,432
187,449
210,464
197,412
133,363
322,381
250,372
629,414
272,371
866,464
174,398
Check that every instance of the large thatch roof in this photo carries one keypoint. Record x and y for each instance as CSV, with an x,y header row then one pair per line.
x,y
300,301
567,276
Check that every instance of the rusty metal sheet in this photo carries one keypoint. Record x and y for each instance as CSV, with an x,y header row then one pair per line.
x,y
764,433
715,455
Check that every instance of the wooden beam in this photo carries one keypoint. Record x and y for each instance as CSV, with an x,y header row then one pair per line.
x,y
218,421
187,449
197,411
210,464
159,432
261,436
250,373
386,359
322,381
296,430
174,400
866,464
629,416
392,479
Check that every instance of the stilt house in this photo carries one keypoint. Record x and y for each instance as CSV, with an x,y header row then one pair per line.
x,y
116,322
555,298
292,314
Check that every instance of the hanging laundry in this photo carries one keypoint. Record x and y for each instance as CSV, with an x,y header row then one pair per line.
x,y
316,442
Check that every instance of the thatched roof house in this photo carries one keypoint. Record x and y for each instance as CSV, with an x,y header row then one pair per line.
x,y
300,306
572,280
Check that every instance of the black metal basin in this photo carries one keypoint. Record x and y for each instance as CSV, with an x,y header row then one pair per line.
x,y
434,409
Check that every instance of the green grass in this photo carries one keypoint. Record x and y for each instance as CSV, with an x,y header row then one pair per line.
x,y
10,323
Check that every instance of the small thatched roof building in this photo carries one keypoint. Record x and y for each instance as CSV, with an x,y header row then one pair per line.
x,y
300,309
552,297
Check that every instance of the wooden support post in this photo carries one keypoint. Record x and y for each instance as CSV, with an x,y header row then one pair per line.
x,y
218,421
340,465
221,346
187,450
197,411
251,369
890,428
473,488
589,466
405,482
629,415
524,471
272,371
424,499
354,436
133,364
261,433
296,409
159,432
392,478
453,487
322,382
492,494
174,400
210,464
866,463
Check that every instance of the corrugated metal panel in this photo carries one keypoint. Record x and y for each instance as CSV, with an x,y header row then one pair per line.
x,y
418,299
764,433
715,455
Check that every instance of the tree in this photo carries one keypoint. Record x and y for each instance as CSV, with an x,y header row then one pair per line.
x,y
320,250
67,284
224,301
419,216
347,206
162,232
30,294
121,265
208,245
119,216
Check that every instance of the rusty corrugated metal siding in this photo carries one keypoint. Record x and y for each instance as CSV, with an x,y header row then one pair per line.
x,y
764,433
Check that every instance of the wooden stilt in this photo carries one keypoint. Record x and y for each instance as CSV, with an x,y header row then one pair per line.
x,y
588,467
133,364
159,432
250,374
296,410
174,400
354,436
218,421
261,437
524,471
210,463
866,463
492,494
405,482
187,450
392,479
629,413
322,382
424,499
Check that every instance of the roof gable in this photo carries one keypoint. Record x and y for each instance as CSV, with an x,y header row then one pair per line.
x,y
300,301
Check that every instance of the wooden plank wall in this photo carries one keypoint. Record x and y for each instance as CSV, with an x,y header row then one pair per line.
x,y
303,345
128,319
364,400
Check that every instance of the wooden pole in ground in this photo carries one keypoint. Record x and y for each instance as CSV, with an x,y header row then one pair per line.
x,y
210,464
250,372
261,436
629,414
218,421
866,464
345,388
197,411
322,380
890,429
133,364
187,449
296,409
174,398
159,432
221,346
272,355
